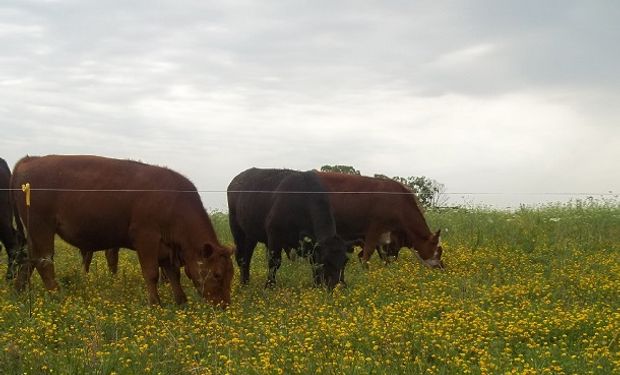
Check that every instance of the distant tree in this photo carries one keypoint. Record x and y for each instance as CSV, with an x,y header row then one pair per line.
x,y
346,169
430,193
377,175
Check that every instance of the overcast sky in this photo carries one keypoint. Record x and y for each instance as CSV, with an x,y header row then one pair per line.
x,y
482,96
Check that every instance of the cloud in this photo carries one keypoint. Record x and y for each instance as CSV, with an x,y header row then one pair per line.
x,y
480,96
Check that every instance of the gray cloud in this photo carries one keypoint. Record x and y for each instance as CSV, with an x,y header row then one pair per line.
x,y
481,96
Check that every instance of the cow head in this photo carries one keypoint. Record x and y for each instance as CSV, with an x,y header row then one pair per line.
x,y
429,252
332,257
212,274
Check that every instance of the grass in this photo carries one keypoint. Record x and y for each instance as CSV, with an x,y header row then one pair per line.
x,y
531,291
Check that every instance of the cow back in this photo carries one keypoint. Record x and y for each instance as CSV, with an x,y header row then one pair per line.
x,y
94,202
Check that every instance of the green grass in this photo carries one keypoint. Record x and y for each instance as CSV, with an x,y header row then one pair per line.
x,y
531,291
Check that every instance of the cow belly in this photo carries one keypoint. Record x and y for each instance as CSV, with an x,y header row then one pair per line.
x,y
93,234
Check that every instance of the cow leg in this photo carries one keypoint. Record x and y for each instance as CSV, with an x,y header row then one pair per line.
x,y
87,258
24,272
274,252
163,277
45,267
111,255
41,254
243,256
7,237
174,276
244,249
147,248
13,255
370,243
317,269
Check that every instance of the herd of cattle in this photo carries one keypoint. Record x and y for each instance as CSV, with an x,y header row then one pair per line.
x,y
96,203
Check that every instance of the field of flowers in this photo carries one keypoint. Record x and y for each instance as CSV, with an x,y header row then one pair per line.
x,y
531,291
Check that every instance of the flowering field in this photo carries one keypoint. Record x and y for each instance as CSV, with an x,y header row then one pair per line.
x,y
534,291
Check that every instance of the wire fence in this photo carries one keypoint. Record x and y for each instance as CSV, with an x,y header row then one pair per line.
x,y
609,193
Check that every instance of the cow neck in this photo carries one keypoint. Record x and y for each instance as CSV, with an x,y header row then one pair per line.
x,y
323,224
416,227
196,227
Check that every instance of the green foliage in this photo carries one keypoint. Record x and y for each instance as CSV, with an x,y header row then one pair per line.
x,y
346,169
530,291
428,191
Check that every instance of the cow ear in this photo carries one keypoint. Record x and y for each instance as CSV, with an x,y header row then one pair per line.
x,y
207,250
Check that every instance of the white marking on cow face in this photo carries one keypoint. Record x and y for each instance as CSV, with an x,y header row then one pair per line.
x,y
433,262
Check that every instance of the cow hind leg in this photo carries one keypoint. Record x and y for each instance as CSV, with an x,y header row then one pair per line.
x,y
111,256
87,258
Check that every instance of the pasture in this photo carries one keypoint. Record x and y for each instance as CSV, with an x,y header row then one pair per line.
x,y
530,291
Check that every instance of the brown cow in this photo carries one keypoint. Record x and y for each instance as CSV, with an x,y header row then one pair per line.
x,y
369,213
97,203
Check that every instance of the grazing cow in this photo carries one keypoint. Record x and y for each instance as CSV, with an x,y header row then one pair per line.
x,y
268,206
97,203
368,212
8,234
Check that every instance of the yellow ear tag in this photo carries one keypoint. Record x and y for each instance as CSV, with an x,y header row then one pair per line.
x,y
26,189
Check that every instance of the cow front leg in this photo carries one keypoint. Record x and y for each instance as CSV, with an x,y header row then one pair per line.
x,y
174,276
45,267
24,272
147,248
274,262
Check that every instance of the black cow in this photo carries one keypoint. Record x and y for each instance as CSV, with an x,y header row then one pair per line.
x,y
8,234
268,206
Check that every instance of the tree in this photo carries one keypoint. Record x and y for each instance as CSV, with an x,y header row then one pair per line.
x,y
346,169
430,193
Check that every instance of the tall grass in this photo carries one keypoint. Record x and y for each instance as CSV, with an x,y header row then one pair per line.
x,y
530,291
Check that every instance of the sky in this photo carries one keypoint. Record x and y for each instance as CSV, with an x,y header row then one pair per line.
x,y
520,99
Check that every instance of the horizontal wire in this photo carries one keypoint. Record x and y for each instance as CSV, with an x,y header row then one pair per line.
x,y
296,192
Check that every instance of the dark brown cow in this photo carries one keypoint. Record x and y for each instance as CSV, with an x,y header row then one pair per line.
x,y
278,207
97,203
8,235
371,214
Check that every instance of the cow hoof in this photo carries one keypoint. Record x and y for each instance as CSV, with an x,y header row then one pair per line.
x,y
270,284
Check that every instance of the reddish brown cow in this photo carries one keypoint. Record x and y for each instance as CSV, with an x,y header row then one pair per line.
x,y
369,214
97,203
